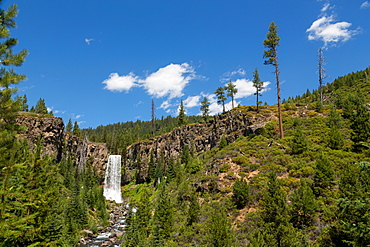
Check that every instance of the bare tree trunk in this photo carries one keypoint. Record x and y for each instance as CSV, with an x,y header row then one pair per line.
x,y
278,96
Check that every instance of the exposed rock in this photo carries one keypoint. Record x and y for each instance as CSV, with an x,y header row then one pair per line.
x,y
198,137
58,144
88,233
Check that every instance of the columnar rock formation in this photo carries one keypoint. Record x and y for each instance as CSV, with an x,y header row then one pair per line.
x,y
58,143
198,137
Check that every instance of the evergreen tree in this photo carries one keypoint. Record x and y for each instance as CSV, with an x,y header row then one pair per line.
x,y
151,167
277,227
303,206
23,101
153,118
204,108
324,176
335,136
220,234
194,209
258,84
241,193
76,130
8,78
185,155
163,217
41,107
171,171
360,126
220,93
352,228
299,141
181,116
271,43
69,126
231,91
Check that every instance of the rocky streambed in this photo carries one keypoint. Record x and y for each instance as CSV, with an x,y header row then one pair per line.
x,y
111,236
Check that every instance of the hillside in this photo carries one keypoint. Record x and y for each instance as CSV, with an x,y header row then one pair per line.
x,y
307,189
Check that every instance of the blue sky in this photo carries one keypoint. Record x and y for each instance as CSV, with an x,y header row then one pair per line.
x,y
100,62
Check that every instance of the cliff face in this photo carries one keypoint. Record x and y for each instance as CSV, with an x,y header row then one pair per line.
x,y
59,144
198,137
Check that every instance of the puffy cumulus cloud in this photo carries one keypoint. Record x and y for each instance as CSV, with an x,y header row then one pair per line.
x,y
169,81
192,101
245,88
120,83
365,5
328,30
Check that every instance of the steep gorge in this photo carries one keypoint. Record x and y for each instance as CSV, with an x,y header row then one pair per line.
x,y
60,144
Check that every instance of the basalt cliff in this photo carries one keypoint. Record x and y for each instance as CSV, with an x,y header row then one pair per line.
x,y
57,143
198,137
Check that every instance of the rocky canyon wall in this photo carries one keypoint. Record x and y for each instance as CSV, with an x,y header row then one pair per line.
x,y
60,144
199,137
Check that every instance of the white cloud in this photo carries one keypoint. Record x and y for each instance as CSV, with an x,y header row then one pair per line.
x,y
326,30
228,75
192,101
120,83
169,81
365,5
327,7
88,41
245,88
79,116
165,105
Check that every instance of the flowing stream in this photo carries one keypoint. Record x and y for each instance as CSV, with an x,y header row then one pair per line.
x,y
112,235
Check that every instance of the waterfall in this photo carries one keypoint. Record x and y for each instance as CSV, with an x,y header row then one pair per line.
x,y
112,181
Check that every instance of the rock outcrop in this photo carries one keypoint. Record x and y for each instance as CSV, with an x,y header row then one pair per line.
x,y
198,137
58,143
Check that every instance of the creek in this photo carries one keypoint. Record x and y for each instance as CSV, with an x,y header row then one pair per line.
x,y
112,235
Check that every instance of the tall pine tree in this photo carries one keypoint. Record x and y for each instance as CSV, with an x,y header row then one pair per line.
x,y
271,43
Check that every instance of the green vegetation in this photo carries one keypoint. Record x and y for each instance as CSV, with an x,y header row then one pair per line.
x,y
306,189
309,187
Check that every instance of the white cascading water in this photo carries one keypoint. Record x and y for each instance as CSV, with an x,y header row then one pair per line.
x,y
112,181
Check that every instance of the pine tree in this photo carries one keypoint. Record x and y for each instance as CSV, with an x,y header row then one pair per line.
x,y
241,193
194,209
23,102
76,130
163,217
360,126
258,84
220,234
8,78
353,223
204,108
299,141
303,206
153,118
220,93
324,176
278,230
181,116
69,126
41,107
271,43
335,136
231,91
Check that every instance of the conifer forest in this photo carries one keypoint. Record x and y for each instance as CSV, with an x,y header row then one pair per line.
x,y
300,178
